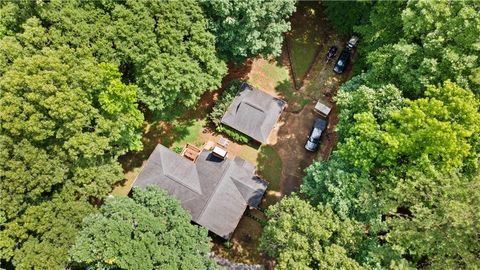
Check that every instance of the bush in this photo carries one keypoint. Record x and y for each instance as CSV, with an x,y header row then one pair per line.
x,y
224,101
221,107
233,134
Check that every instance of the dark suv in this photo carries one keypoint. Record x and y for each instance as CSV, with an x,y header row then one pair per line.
x,y
313,141
342,61
344,57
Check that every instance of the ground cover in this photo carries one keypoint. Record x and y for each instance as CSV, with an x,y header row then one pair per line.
x,y
305,39
273,77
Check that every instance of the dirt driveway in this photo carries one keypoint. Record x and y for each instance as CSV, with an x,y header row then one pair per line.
x,y
289,144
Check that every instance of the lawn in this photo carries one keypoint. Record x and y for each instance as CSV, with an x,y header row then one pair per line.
x,y
272,76
191,135
305,38
268,74
269,166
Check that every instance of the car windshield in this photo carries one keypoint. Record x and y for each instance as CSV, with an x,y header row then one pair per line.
x,y
315,135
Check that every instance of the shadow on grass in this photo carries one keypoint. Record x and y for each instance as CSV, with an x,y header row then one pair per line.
x,y
269,167
305,38
296,100
159,132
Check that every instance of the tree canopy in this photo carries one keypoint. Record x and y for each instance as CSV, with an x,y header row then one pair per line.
x,y
148,231
65,119
408,152
245,28
301,236
162,46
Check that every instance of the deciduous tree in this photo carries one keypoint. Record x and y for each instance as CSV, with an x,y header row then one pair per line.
x,y
300,236
148,231
246,29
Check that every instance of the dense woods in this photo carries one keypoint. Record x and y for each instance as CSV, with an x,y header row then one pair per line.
x,y
406,165
401,190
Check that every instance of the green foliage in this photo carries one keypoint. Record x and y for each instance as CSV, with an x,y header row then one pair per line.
x,y
344,15
232,133
438,41
441,207
222,104
148,231
65,119
41,236
173,64
184,63
301,236
384,27
246,29
391,154
407,168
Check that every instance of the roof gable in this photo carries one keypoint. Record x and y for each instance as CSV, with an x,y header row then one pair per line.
x,y
254,113
215,192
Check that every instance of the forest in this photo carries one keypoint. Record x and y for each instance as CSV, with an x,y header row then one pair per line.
x,y
401,190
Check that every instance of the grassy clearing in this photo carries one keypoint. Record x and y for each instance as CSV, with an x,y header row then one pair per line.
x,y
268,74
273,77
191,135
304,39
269,166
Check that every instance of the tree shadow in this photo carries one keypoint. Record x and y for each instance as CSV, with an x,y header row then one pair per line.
x,y
159,132
269,167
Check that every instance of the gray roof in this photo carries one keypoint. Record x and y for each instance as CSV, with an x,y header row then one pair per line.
x,y
254,113
214,191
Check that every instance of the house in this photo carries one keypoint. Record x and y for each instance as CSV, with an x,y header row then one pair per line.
x,y
253,113
214,190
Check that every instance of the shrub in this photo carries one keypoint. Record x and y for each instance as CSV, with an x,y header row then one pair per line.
x,y
233,134
221,107
224,101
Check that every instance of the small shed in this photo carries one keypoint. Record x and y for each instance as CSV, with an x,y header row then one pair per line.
x,y
254,113
322,109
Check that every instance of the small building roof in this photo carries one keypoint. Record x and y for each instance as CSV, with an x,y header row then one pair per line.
x,y
322,108
254,113
215,191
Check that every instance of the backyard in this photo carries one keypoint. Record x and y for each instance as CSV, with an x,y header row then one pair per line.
x,y
282,161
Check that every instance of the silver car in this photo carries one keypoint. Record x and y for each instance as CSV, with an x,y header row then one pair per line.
x,y
313,141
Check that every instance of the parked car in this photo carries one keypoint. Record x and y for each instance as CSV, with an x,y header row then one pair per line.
x,y
342,61
313,141
352,42
331,53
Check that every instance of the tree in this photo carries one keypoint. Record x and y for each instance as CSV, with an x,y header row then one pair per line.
x,y
392,159
65,119
441,229
162,46
41,236
437,43
300,236
148,231
246,29
183,64
345,15
384,26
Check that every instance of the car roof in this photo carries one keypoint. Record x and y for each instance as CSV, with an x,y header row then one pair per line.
x,y
320,124
318,127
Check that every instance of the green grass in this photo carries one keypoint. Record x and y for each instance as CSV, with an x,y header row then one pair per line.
x,y
304,39
269,166
269,74
191,135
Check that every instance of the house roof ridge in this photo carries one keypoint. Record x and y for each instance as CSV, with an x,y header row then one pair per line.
x,y
214,191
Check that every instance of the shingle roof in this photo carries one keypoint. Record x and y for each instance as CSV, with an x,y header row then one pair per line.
x,y
254,113
214,191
